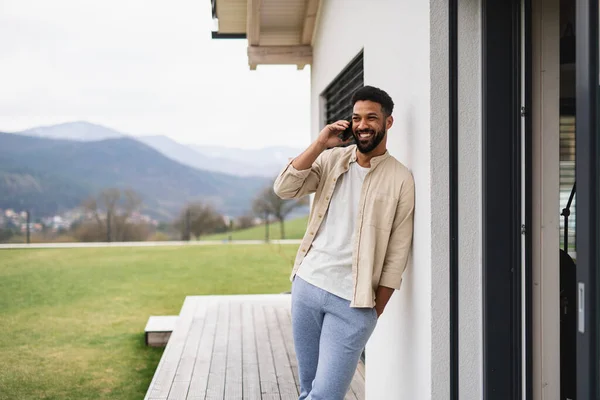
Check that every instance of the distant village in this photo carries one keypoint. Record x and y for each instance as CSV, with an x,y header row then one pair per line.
x,y
17,220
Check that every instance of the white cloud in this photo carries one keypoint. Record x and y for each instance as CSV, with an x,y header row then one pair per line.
x,y
143,67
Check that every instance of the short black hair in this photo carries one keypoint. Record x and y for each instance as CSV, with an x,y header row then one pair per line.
x,y
375,95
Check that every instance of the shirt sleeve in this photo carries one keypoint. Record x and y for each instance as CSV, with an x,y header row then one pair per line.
x,y
401,236
292,183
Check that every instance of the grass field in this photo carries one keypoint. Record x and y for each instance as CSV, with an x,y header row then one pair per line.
x,y
73,320
294,229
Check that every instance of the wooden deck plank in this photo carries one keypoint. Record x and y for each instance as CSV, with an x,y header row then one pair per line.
x,y
165,372
233,347
178,390
188,358
266,368
357,386
361,369
283,369
218,365
285,322
250,375
199,381
233,377
350,395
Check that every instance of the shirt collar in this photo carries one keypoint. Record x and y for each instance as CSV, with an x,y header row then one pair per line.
x,y
374,161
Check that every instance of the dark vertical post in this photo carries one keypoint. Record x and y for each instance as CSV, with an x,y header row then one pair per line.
x,y
266,226
587,196
453,191
502,222
528,123
28,227
188,216
108,227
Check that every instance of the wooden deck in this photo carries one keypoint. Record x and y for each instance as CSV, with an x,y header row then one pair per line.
x,y
233,347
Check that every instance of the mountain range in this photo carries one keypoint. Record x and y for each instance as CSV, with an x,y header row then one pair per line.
x,y
79,130
50,175
54,168
265,162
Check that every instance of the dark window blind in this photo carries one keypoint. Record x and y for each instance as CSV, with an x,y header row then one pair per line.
x,y
339,93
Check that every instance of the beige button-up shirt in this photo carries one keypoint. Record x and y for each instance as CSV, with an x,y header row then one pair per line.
x,y
384,227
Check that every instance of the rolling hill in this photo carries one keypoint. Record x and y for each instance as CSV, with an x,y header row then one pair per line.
x,y
266,162
294,229
51,175
79,130
188,156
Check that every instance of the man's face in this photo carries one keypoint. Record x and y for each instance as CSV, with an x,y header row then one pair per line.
x,y
369,125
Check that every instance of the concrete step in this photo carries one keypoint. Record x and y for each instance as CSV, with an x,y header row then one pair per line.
x,y
158,329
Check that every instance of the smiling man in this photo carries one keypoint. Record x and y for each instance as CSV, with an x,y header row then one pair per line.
x,y
356,245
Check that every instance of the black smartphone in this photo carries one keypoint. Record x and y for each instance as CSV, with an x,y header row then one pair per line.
x,y
347,134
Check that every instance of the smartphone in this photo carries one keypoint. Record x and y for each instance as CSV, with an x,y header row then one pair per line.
x,y
347,134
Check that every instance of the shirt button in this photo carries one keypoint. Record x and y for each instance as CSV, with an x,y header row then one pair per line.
x,y
327,198
334,179
312,233
304,250
320,215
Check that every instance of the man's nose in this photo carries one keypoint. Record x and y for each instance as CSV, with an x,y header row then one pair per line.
x,y
362,125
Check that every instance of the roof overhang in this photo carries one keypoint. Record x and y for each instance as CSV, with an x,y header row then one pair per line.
x,y
278,31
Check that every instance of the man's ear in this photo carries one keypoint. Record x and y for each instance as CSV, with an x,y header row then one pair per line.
x,y
389,121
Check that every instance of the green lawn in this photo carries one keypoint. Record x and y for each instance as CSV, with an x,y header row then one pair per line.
x,y
294,229
72,320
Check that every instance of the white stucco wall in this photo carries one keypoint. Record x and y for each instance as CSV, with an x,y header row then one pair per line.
x,y
405,48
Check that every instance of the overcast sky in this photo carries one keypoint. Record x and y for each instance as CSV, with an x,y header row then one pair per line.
x,y
143,67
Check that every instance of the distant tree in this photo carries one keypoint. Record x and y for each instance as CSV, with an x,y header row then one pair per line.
x,y
199,219
89,232
6,234
267,203
244,222
112,210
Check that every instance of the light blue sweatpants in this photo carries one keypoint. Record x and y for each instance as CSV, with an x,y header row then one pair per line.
x,y
329,337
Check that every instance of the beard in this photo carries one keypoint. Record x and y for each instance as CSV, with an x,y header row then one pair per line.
x,y
366,146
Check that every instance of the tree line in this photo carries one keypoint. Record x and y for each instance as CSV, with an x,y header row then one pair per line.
x,y
110,218
198,219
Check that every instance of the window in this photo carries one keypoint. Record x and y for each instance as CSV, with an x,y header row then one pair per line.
x,y
567,180
339,93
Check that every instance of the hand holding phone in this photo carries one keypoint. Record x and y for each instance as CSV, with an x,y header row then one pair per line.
x,y
336,134
347,134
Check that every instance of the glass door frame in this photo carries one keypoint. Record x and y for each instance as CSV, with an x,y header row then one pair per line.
x,y
506,200
587,197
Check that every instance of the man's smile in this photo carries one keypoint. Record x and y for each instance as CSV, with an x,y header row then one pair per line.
x,y
365,135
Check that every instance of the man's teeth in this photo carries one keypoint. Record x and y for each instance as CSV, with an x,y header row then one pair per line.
x,y
364,135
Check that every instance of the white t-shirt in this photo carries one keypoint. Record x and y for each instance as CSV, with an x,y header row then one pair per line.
x,y
328,263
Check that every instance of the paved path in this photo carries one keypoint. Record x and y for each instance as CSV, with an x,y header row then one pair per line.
x,y
141,244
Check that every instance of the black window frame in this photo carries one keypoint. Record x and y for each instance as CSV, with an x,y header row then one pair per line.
x,y
503,226
337,95
587,178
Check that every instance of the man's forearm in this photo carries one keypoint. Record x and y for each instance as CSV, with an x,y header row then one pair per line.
x,y
382,297
308,157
